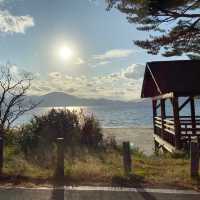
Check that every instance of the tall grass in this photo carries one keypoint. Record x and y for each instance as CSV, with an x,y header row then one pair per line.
x,y
105,167
97,164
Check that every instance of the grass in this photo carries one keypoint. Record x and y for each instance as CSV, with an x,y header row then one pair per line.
x,y
102,168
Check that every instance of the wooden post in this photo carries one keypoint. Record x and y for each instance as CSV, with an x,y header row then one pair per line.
x,y
127,158
177,125
192,107
60,159
163,115
156,145
154,103
194,156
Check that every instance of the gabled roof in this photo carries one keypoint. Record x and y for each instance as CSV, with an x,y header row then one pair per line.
x,y
181,77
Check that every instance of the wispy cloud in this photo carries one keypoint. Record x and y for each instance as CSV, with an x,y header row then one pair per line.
x,y
14,24
106,62
114,53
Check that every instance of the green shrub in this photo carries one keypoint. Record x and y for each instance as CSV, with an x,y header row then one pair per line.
x,y
38,138
91,132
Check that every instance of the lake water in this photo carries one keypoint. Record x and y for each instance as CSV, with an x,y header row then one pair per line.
x,y
135,115
115,116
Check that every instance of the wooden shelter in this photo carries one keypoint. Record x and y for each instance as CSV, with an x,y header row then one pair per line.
x,y
174,84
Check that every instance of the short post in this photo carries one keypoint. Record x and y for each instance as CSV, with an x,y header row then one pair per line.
x,y
194,156
156,147
127,158
60,160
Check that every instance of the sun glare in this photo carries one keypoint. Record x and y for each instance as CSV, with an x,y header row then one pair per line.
x,y
65,53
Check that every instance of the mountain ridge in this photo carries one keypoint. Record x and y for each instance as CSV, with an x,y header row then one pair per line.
x,y
56,99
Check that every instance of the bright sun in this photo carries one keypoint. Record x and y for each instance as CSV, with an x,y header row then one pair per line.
x,y
65,53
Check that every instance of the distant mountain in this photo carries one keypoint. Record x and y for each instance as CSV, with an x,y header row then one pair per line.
x,y
62,99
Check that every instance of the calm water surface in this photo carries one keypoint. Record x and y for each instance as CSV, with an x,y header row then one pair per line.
x,y
109,116
136,115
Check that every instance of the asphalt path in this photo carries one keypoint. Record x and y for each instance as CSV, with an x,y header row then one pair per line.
x,y
95,193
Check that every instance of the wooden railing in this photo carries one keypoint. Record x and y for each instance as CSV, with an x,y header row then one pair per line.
x,y
165,128
168,125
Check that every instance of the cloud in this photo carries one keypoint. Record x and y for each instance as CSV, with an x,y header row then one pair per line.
x,y
18,73
134,71
120,85
71,90
79,61
13,69
55,75
101,63
114,53
14,24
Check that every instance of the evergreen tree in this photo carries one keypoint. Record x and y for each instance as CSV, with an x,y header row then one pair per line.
x,y
175,22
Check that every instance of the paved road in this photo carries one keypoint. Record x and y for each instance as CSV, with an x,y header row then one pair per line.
x,y
95,193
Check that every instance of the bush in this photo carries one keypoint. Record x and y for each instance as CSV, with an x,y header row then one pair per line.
x,y
110,142
91,133
38,138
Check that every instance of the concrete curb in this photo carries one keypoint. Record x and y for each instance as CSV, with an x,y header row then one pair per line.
x,y
107,189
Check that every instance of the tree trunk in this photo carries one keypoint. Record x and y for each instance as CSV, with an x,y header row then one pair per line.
x,y
1,150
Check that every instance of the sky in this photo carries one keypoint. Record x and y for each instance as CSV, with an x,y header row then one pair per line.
x,y
73,46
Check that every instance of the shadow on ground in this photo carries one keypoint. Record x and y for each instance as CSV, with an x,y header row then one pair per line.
x,y
58,193
133,181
